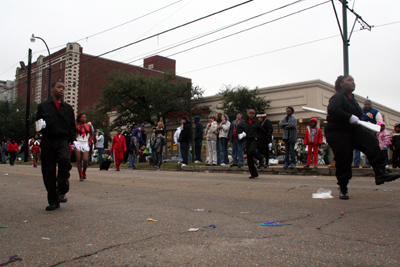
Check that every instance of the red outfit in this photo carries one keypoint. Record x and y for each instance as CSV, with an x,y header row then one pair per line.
x,y
12,147
313,138
118,148
35,144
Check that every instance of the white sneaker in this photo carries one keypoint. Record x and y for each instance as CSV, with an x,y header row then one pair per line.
x,y
222,164
183,164
197,161
387,167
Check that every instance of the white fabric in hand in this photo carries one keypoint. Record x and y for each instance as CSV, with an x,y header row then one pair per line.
x,y
354,119
76,145
269,145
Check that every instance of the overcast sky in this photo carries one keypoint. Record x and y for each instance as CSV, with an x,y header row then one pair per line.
x,y
301,47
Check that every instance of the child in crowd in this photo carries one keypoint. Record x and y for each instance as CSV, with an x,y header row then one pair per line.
x,y
384,141
313,138
395,146
211,134
133,153
158,144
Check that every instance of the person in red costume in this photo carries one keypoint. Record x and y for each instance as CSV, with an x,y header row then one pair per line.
x,y
35,148
84,136
118,148
313,138
12,149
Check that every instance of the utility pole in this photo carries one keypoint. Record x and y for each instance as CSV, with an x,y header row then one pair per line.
x,y
346,41
344,32
28,104
189,85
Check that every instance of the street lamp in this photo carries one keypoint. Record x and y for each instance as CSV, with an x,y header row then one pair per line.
x,y
33,38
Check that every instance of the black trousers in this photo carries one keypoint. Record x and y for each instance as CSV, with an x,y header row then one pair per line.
x,y
343,140
396,159
55,152
13,156
265,152
185,152
197,148
252,152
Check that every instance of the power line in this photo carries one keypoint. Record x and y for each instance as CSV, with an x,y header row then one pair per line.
x,y
158,34
114,27
214,31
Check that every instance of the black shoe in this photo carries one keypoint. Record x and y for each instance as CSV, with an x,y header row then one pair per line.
x,y
344,194
240,166
62,198
306,166
384,176
253,177
233,165
215,165
52,207
208,164
266,166
84,177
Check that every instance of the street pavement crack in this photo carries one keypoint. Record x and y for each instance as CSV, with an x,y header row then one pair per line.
x,y
104,249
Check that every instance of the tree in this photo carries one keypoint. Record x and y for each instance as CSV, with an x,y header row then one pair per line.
x,y
241,98
99,120
139,99
13,119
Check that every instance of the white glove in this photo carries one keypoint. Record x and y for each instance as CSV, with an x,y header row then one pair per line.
x,y
353,119
40,125
269,145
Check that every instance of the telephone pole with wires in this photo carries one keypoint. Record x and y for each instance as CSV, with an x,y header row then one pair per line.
x,y
344,33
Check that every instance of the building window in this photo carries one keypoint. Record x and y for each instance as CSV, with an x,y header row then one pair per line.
x,y
60,65
32,91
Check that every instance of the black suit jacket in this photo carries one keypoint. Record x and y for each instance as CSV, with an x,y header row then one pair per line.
x,y
265,133
59,124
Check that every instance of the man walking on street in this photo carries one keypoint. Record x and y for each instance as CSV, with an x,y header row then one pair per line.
x,y
252,128
58,128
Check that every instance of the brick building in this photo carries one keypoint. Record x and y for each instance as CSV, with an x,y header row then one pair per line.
x,y
83,75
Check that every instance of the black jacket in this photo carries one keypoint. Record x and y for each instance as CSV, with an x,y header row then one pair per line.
x,y
59,124
184,136
199,130
252,130
265,133
340,109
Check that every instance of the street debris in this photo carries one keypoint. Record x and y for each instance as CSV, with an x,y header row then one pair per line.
x,y
323,194
151,220
46,238
273,223
193,229
211,225
2,226
197,210
6,174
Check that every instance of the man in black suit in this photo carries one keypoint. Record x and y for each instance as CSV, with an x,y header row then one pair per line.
x,y
252,128
265,137
58,131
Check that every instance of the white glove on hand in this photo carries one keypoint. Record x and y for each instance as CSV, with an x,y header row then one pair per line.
x,y
354,119
40,125
269,145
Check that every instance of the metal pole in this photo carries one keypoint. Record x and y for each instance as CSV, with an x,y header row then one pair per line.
x,y
189,84
346,43
28,103
48,50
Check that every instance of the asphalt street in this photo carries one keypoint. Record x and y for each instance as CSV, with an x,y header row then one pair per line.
x,y
105,221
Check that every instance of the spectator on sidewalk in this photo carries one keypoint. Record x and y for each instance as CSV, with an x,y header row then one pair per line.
x,y
223,134
184,140
265,137
395,146
369,114
289,136
198,139
384,138
313,139
237,145
211,135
